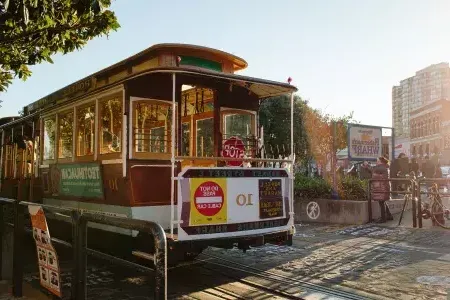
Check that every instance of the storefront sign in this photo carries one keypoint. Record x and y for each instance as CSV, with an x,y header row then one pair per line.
x,y
364,142
49,273
81,180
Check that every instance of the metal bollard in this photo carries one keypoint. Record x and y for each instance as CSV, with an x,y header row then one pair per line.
x,y
413,204
369,201
80,245
419,204
160,262
18,249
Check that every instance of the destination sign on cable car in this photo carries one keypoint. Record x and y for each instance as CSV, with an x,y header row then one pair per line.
x,y
221,203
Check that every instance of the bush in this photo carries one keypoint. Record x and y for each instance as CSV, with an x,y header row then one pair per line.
x,y
349,188
309,188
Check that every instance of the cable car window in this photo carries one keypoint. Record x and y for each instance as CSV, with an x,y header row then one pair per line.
x,y
186,139
205,137
152,127
85,130
65,143
238,125
49,138
110,125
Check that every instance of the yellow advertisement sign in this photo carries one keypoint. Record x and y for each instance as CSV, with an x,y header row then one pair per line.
x,y
208,198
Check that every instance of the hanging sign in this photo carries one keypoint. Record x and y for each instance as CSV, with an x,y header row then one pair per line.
x,y
364,142
233,148
49,273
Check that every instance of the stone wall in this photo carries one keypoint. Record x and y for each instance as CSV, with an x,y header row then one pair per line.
x,y
340,211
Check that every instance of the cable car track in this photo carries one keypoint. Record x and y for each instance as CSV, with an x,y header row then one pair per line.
x,y
289,282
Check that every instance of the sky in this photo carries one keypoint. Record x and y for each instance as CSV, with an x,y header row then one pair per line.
x,y
342,55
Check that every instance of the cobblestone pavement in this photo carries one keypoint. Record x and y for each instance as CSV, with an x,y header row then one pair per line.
x,y
381,262
395,263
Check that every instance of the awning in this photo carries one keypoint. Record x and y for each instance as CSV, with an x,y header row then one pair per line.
x,y
260,87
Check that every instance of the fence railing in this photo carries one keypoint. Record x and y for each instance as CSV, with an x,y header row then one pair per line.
x,y
79,221
413,188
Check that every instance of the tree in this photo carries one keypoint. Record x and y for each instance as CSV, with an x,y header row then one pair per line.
x,y
312,130
275,117
31,31
319,128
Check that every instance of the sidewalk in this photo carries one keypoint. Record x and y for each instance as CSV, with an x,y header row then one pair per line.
x,y
29,293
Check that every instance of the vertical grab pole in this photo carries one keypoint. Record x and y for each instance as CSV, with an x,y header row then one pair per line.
x,y
291,209
172,158
18,249
393,144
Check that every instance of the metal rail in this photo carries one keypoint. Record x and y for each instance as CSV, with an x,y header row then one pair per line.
x,y
412,192
415,193
79,221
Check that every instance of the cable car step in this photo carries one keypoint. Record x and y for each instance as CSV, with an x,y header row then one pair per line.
x,y
144,255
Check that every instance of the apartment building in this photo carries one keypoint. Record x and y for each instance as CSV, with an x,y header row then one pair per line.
x,y
428,85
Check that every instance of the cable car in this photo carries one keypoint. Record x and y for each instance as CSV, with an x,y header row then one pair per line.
x,y
169,135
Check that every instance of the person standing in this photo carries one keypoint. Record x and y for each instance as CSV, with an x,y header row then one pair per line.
x,y
381,189
428,168
414,166
366,171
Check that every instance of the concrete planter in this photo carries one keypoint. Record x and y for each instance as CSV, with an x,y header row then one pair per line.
x,y
340,211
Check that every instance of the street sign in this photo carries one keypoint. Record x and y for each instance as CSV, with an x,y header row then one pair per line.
x,y
209,198
233,148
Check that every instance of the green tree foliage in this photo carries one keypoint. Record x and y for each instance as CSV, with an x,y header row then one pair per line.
x,y
31,31
275,117
312,129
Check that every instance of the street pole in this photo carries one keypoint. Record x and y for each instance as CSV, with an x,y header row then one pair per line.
x,y
333,160
393,144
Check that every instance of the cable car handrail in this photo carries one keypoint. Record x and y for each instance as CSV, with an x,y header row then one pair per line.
x,y
232,159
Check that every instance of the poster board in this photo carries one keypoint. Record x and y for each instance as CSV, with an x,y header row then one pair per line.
x,y
364,142
49,273
224,202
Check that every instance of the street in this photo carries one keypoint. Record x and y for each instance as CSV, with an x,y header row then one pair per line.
x,y
325,262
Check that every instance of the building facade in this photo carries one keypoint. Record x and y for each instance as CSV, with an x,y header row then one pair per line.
x,y
428,128
427,86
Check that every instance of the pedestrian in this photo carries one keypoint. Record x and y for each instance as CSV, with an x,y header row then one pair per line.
x,y
365,171
381,189
414,166
428,168
394,170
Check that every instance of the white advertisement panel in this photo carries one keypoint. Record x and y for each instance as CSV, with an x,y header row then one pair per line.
x,y
221,202
364,142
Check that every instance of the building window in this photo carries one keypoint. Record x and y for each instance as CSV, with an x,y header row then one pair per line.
x,y
49,138
110,125
86,130
65,137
